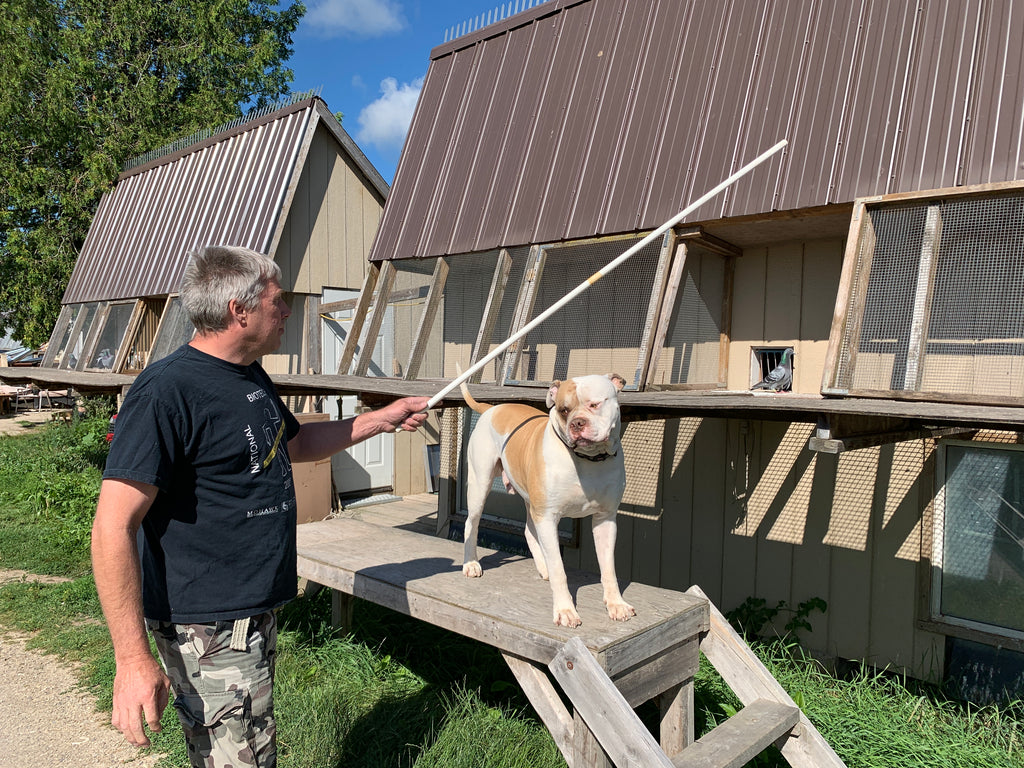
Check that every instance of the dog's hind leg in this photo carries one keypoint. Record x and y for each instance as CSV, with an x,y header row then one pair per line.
x,y
480,476
534,545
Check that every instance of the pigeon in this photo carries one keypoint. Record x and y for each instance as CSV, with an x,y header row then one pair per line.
x,y
779,378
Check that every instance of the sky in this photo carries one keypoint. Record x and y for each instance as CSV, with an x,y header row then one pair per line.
x,y
369,58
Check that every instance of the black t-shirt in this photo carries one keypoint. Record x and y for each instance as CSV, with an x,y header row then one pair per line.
x,y
218,542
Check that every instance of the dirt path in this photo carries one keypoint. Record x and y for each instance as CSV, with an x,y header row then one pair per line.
x,y
46,720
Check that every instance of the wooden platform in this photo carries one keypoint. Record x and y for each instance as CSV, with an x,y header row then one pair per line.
x,y
652,656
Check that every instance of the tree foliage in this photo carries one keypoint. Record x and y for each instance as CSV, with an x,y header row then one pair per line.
x,y
87,84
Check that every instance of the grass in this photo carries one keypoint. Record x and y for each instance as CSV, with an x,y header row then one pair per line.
x,y
398,692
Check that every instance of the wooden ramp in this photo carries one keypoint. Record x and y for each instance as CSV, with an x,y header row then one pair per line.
x,y
605,668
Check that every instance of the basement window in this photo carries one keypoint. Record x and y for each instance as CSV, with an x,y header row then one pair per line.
x,y
979,538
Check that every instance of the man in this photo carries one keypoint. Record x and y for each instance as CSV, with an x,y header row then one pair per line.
x,y
195,526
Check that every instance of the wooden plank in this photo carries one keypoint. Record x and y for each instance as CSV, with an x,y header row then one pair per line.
x,y
377,314
921,311
509,607
658,315
359,316
524,309
742,737
861,228
676,706
546,702
608,716
434,296
668,307
725,336
491,311
748,678
665,669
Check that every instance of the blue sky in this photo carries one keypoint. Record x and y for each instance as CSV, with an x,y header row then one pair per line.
x,y
370,58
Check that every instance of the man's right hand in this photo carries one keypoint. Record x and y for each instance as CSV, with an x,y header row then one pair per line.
x,y
141,691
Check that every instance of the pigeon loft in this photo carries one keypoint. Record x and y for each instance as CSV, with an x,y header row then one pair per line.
x,y
765,360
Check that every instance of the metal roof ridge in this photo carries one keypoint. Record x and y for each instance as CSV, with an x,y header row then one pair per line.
x,y
233,129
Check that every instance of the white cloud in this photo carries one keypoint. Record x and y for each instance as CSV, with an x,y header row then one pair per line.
x,y
385,122
362,18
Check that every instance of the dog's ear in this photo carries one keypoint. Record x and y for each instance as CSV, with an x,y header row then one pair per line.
x,y
617,381
553,393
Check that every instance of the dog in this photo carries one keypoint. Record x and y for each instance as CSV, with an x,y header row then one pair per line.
x,y
564,463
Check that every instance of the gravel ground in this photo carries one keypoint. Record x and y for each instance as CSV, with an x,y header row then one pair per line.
x,y
46,720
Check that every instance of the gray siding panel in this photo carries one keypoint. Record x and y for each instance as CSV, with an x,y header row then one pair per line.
x,y
595,117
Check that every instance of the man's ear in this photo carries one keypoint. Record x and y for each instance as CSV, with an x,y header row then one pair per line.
x,y
237,313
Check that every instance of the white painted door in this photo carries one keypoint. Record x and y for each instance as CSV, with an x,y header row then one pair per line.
x,y
371,463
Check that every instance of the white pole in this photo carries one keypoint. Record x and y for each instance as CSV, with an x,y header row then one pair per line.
x,y
601,273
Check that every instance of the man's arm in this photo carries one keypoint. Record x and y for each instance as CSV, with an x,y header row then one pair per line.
x,y
140,685
319,439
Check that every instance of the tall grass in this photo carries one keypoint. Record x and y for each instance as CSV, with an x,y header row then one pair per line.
x,y
399,692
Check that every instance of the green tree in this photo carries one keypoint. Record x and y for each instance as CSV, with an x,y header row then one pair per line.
x,y
87,84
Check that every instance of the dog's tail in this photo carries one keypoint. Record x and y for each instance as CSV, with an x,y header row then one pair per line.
x,y
478,407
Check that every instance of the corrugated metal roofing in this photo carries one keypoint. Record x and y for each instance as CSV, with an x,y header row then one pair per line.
x,y
579,118
229,189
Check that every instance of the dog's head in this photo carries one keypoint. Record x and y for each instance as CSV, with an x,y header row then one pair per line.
x,y
585,413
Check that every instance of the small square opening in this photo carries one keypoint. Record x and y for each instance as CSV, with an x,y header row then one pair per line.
x,y
771,369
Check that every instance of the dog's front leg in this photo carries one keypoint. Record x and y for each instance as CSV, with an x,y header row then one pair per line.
x,y
547,536
605,530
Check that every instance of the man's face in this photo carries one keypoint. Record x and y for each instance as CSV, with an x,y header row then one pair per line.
x,y
266,322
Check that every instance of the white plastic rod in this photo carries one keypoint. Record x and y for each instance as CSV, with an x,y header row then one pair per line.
x,y
601,273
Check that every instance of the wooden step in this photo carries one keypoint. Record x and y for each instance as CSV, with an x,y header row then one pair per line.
x,y
740,738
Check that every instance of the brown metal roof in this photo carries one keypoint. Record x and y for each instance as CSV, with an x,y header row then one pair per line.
x,y
579,118
229,189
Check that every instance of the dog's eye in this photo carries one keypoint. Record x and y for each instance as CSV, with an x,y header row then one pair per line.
x,y
564,410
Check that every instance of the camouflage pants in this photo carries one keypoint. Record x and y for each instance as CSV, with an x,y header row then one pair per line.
x,y
224,697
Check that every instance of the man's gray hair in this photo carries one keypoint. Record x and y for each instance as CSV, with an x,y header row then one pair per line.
x,y
217,274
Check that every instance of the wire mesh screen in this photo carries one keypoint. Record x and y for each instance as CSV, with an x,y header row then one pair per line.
x,y
692,350
937,286
602,329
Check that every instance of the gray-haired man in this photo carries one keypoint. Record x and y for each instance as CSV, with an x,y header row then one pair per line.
x,y
195,525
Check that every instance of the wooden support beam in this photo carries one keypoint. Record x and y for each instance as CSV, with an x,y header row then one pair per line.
x,y
545,700
380,308
658,312
921,313
359,316
434,296
748,678
524,308
602,708
495,296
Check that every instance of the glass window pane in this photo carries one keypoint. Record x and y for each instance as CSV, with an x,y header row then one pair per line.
x,y
175,330
118,317
983,546
80,333
59,338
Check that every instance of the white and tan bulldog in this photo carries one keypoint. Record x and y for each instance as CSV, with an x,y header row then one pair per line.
x,y
564,463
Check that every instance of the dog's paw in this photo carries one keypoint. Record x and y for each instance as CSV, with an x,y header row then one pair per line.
x,y
472,569
567,617
621,611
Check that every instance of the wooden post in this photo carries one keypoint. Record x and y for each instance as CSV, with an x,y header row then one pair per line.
x,y
494,298
434,295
